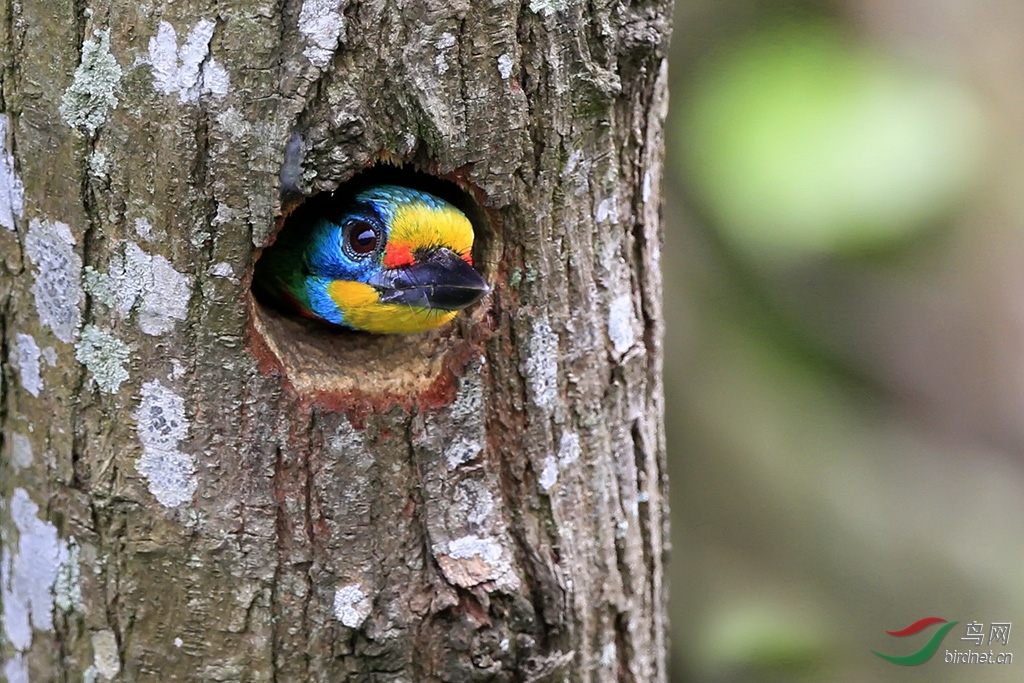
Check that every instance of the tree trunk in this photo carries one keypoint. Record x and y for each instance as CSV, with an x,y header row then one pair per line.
x,y
198,489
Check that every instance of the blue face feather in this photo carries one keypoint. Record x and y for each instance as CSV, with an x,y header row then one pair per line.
x,y
390,260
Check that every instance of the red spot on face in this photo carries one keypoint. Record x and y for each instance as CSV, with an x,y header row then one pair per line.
x,y
468,258
398,255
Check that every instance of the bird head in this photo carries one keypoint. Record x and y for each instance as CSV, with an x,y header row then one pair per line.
x,y
392,260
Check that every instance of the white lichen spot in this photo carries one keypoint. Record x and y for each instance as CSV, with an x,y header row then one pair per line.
x,y
607,211
90,674
27,574
465,548
57,288
504,644
50,356
222,269
16,669
186,71
320,21
620,324
474,559
462,450
21,451
225,213
352,605
99,286
151,282
648,186
26,357
164,58
191,56
232,121
177,370
169,473
105,356
165,297
105,657
549,475
549,7
99,165
409,142
577,172
12,191
505,66
470,401
542,363
474,501
178,642
467,442
445,43
93,90
200,238
143,228
609,655
572,163
67,587
346,441
215,78
569,448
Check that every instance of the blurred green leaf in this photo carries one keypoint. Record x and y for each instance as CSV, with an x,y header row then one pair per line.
x,y
802,143
767,636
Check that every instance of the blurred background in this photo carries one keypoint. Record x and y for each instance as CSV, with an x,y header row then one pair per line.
x,y
844,280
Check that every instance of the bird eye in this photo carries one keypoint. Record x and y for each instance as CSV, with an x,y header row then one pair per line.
x,y
361,238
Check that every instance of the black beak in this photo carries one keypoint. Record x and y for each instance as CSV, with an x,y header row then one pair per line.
x,y
440,280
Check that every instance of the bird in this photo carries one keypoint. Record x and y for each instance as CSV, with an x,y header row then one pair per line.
x,y
388,259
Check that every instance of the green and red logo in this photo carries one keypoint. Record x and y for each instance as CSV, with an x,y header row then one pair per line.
x,y
926,652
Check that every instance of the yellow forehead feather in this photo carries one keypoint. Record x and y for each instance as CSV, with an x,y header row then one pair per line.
x,y
418,226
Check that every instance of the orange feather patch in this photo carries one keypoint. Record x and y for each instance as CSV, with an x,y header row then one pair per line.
x,y
398,255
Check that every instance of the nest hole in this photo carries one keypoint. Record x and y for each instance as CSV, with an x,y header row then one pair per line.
x,y
319,359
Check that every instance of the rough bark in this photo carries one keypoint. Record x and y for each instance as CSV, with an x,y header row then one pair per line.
x,y
197,489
